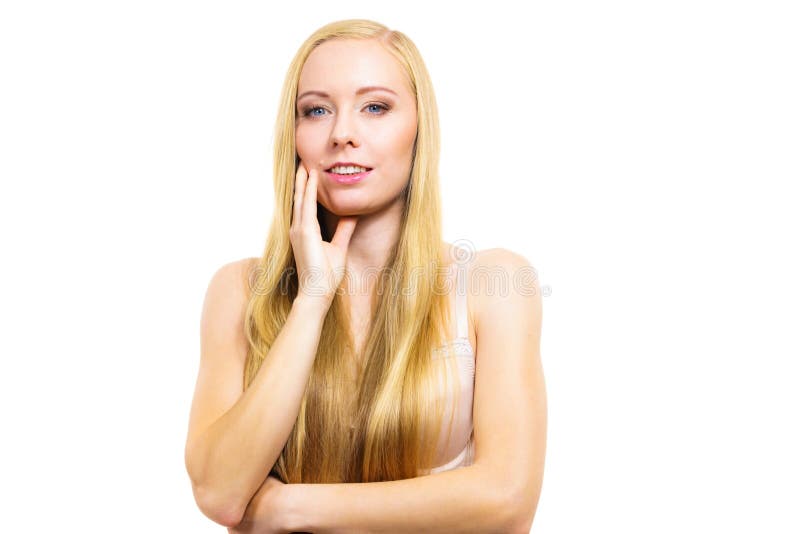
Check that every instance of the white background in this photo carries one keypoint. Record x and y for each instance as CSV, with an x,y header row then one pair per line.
x,y
642,156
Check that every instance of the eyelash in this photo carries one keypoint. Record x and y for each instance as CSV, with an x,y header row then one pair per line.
x,y
307,110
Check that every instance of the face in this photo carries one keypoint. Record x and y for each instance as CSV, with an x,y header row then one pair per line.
x,y
335,122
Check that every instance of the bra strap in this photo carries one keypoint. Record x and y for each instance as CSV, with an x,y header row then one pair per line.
x,y
461,301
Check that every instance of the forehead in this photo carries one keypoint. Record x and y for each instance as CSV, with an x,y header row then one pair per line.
x,y
344,65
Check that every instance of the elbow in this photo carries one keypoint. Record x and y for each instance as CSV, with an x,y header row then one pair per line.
x,y
215,505
509,516
520,525
511,505
517,510
222,511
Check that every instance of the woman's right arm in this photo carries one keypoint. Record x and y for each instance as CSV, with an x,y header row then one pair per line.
x,y
235,438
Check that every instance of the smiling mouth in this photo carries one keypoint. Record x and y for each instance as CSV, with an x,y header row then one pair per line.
x,y
347,179
330,171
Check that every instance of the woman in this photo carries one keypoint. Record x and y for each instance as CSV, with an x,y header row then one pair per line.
x,y
343,363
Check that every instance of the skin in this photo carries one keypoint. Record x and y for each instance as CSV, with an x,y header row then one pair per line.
x,y
376,129
502,487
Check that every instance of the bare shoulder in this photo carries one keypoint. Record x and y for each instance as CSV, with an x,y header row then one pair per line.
x,y
499,256
500,277
235,276
227,295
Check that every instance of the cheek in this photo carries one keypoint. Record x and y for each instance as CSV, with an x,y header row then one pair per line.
x,y
301,142
397,141
407,132
308,141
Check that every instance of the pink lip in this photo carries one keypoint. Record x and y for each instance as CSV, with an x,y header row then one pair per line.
x,y
347,178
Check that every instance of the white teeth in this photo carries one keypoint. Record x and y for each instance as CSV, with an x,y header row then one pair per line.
x,y
348,170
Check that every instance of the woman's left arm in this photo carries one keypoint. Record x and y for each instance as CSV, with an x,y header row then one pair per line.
x,y
468,499
500,491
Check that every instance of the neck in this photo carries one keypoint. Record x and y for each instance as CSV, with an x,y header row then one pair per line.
x,y
375,236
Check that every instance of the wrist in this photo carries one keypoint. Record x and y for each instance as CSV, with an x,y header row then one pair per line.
x,y
314,305
295,512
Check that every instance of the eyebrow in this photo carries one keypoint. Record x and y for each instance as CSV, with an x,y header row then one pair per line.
x,y
361,91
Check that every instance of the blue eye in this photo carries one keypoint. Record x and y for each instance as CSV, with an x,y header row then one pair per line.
x,y
310,111
381,106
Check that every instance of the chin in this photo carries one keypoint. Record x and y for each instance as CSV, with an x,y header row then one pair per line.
x,y
347,209
344,203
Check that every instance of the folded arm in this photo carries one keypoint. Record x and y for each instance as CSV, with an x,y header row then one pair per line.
x,y
500,491
467,499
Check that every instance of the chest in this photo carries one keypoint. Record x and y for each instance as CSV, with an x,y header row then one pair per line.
x,y
360,314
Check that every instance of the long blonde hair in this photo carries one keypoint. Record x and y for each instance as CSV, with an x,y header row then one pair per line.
x,y
397,405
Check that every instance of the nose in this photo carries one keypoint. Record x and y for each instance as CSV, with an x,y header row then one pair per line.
x,y
343,131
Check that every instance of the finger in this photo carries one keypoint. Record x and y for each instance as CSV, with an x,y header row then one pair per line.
x,y
299,189
309,215
344,231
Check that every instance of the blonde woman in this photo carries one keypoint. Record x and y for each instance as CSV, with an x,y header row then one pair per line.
x,y
363,375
